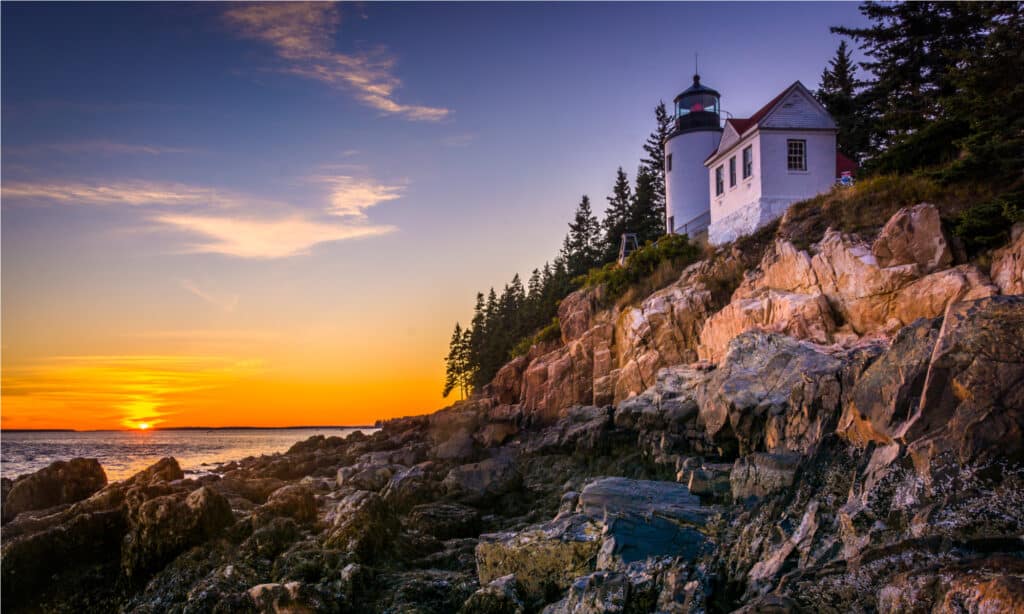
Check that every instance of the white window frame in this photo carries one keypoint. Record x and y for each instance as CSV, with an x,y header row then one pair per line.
x,y
732,172
748,161
800,157
720,180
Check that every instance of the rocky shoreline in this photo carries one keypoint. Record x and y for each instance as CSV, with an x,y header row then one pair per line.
x,y
842,432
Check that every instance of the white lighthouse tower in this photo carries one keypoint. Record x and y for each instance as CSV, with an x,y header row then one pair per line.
x,y
694,137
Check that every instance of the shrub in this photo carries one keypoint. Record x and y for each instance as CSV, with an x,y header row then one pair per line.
x,y
677,250
550,333
865,207
987,224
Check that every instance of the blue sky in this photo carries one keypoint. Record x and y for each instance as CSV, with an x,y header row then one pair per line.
x,y
320,190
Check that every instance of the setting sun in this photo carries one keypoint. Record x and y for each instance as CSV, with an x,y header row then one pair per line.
x,y
142,426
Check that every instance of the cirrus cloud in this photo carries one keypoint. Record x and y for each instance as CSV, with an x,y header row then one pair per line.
x,y
265,238
134,193
302,34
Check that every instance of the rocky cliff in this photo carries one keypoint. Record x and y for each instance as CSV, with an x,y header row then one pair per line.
x,y
830,430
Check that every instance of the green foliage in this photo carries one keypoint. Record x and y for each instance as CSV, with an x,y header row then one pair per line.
x,y
646,214
640,264
550,333
944,92
617,216
654,154
987,224
838,94
458,366
583,246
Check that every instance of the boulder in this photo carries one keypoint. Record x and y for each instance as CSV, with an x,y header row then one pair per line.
x,y
771,393
804,316
601,592
644,519
59,483
890,388
291,598
761,474
295,501
507,385
1007,269
498,597
913,235
411,486
361,526
254,489
162,527
972,403
544,558
663,330
444,520
476,482
362,477
575,313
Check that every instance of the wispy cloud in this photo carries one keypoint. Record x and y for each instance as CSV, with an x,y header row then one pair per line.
x,y
266,238
133,193
458,140
224,302
229,223
302,34
98,147
352,196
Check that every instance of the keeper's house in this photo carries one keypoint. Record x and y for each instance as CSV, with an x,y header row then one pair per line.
x,y
758,166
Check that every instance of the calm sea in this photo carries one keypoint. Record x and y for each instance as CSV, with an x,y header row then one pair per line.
x,y
122,453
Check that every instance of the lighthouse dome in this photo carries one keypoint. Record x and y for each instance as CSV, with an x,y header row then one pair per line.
x,y
697,108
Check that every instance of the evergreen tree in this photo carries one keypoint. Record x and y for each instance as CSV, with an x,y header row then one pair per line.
x,y
477,331
617,216
582,246
654,148
837,92
989,91
646,215
458,371
913,48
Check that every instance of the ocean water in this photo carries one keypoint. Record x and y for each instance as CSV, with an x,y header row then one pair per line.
x,y
123,453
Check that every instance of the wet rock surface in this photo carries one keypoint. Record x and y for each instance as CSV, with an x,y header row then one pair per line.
x,y
854,443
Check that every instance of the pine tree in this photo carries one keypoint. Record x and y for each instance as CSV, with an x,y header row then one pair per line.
x,y
654,148
456,364
617,216
582,246
645,215
990,92
913,48
837,92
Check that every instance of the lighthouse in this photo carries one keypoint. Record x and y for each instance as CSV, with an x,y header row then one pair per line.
x,y
695,134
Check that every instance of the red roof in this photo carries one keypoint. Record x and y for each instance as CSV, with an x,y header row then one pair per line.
x,y
741,125
844,165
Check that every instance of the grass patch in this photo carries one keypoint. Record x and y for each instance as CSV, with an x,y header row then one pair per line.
x,y
864,208
987,225
647,269
550,333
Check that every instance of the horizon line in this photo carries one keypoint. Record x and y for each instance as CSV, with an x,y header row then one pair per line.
x,y
189,428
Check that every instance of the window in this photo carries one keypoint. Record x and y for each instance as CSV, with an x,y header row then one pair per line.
x,y
719,182
732,172
668,163
796,155
748,161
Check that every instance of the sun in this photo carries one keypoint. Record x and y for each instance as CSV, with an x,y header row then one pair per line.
x,y
143,426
